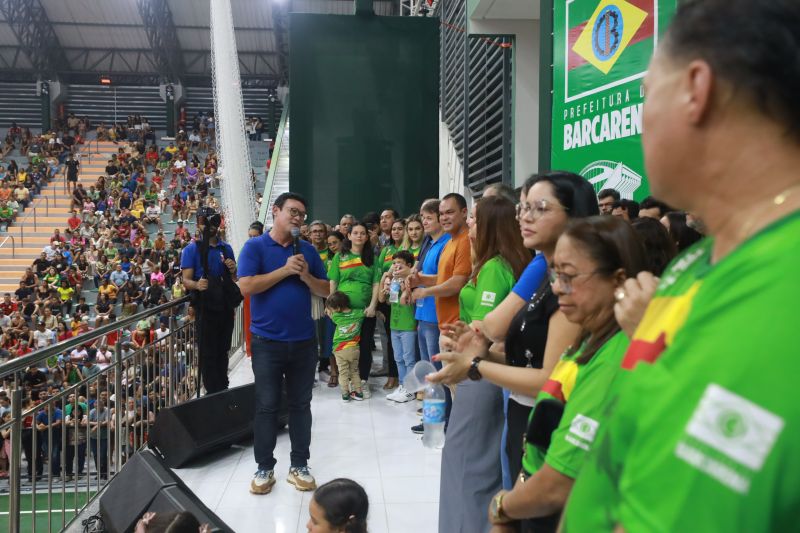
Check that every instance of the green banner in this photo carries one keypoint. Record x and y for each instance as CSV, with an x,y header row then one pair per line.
x,y
601,49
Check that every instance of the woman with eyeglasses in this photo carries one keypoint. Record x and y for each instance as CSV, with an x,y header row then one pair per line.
x,y
354,271
592,260
534,331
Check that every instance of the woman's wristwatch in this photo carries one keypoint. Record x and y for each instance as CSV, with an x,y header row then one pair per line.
x,y
473,373
496,514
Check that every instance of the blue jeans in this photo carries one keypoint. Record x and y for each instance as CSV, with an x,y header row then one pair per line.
x,y
428,337
274,361
404,344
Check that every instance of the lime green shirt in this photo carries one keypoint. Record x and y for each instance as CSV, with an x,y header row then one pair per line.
x,y
478,298
402,318
354,278
583,392
347,333
706,437
386,257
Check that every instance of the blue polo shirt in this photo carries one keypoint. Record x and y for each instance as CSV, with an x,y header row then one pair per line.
x,y
190,258
531,278
283,312
426,307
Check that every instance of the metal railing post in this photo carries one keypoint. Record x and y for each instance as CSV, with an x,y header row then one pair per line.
x,y
118,406
16,461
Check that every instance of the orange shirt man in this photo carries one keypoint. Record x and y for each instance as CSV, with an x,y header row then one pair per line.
x,y
455,263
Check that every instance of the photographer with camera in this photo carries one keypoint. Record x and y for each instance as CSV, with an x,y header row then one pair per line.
x,y
209,271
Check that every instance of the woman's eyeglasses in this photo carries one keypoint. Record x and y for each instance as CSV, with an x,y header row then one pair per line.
x,y
537,209
565,281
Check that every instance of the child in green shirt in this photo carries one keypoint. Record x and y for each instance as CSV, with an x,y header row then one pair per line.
x,y
402,323
346,338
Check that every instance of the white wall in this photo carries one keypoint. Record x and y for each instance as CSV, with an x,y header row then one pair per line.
x,y
525,55
451,172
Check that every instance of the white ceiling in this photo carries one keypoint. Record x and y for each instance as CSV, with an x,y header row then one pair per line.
x,y
507,9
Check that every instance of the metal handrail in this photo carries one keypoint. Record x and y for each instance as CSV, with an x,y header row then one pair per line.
x,y
265,197
13,245
23,219
40,356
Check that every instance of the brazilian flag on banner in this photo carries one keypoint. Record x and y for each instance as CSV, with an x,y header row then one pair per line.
x,y
601,50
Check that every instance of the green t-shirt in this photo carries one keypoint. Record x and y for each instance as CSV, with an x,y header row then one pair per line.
x,y
354,278
582,389
402,318
386,257
494,283
347,333
326,256
706,438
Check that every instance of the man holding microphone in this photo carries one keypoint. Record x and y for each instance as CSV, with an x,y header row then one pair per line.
x,y
279,272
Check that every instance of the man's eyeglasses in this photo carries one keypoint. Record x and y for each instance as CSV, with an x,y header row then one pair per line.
x,y
538,209
566,280
296,213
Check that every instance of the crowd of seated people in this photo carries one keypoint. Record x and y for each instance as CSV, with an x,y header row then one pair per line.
x,y
21,182
114,243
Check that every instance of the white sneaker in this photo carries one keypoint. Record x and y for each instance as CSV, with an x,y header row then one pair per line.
x,y
403,395
262,482
391,395
365,389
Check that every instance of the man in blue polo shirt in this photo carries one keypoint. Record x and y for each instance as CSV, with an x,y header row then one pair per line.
x,y
280,283
427,322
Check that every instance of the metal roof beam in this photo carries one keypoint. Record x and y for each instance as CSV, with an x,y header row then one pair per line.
x,y
163,37
79,24
35,34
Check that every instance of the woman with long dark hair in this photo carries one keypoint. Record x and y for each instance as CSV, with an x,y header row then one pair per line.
x,y
470,459
355,272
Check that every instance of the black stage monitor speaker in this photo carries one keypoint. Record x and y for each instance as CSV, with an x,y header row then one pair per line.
x,y
213,422
146,484
175,499
130,492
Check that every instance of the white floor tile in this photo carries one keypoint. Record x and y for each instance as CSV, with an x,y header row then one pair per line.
x,y
411,489
275,519
413,517
369,442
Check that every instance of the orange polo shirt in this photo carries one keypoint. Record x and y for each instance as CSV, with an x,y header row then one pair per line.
x,y
454,261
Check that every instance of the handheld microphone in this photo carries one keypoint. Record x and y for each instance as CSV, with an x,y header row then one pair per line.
x,y
296,239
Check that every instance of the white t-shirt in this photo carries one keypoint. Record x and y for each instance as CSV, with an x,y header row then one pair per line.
x,y
160,334
41,339
153,211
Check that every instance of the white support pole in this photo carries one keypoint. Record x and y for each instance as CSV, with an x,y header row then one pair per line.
x,y
238,195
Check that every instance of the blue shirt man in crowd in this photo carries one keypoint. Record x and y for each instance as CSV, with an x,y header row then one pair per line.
x,y
280,283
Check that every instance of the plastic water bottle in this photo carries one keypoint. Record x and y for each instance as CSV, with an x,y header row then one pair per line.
x,y
433,410
394,291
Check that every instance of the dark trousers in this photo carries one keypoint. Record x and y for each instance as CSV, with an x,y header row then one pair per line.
x,y
517,426
100,454
32,454
365,347
386,309
213,344
273,362
71,454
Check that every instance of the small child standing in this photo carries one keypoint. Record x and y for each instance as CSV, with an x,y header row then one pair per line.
x,y
403,325
346,338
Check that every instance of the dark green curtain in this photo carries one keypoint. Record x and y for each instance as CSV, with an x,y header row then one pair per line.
x,y
364,112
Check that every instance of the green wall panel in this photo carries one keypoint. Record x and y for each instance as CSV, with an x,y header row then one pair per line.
x,y
364,112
